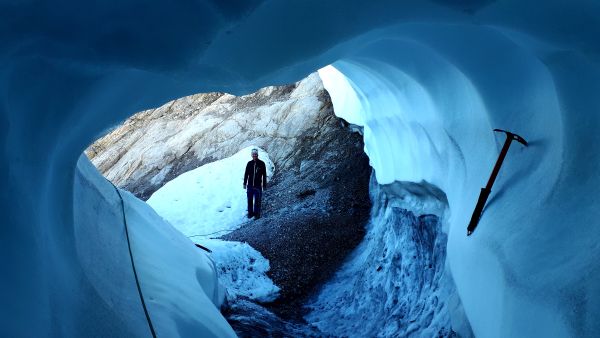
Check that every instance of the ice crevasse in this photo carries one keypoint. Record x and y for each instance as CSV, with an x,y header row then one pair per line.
x,y
428,81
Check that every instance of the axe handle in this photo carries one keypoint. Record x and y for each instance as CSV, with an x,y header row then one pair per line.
x,y
203,247
501,157
483,196
485,192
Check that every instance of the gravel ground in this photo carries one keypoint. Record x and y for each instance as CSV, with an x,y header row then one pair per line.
x,y
314,215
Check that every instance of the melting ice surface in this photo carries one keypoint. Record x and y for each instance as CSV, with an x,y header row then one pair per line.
x,y
395,282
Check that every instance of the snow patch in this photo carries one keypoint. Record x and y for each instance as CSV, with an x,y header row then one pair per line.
x,y
242,270
209,202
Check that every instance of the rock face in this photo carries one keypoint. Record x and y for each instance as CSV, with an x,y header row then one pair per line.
x,y
155,146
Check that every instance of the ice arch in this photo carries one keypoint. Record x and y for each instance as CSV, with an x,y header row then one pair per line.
x,y
70,70
430,118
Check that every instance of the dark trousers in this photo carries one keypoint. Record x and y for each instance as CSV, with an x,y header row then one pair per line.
x,y
254,195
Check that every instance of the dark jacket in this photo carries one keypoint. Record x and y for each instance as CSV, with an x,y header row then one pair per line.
x,y
256,174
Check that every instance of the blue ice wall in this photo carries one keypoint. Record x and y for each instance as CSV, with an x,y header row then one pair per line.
x,y
453,70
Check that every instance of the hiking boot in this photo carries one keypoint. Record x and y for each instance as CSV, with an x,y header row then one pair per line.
x,y
250,215
257,216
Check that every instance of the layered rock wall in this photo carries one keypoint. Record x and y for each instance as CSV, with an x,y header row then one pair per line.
x,y
155,146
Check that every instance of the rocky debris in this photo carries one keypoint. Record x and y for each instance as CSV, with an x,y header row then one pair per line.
x,y
314,214
157,145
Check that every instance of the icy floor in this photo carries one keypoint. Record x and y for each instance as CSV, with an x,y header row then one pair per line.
x,y
394,283
250,319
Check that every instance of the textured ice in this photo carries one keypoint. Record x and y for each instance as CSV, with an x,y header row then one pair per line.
x,y
242,270
395,282
177,279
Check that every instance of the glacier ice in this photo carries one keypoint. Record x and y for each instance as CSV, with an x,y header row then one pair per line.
x,y
178,281
395,282
431,77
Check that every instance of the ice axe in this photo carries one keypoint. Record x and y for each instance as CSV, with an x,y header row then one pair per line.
x,y
485,192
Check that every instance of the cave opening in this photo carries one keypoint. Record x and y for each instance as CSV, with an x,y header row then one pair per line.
x,y
183,158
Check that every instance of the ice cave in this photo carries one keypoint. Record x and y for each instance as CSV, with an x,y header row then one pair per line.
x,y
426,82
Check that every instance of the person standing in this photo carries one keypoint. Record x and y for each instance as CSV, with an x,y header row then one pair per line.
x,y
255,180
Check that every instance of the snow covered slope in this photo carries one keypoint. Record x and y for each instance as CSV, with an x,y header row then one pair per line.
x,y
210,199
209,202
433,77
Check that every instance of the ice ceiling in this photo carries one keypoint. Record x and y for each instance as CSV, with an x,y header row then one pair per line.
x,y
427,79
